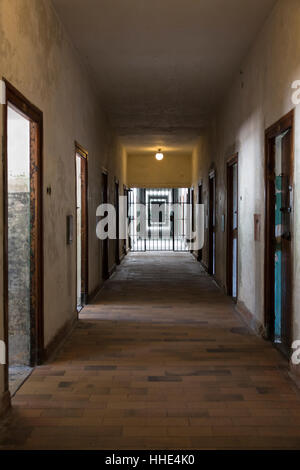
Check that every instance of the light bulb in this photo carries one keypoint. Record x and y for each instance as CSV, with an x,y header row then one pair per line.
x,y
159,155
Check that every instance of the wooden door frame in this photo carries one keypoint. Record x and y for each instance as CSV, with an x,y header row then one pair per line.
x,y
125,193
229,255
105,243
83,154
117,208
212,175
192,209
285,123
35,116
200,201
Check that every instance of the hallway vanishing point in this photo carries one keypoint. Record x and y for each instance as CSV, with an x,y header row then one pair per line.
x,y
159,360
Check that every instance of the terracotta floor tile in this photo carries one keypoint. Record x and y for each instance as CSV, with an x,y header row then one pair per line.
x,y
160,360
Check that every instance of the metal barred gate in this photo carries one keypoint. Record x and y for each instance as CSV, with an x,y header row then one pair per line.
x,y
154,223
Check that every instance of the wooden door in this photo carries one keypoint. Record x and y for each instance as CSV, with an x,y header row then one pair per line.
x,y
117,208
82,225
232,227
105,246
212,223
279,233
200,201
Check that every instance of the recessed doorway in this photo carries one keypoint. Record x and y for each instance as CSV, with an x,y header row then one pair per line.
x,y
212,222
105,242
279,233
117,208
81,226
232,227
23,238
200,201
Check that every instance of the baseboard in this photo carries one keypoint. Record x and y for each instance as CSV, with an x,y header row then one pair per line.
x,y
295,373
204,267
97,289
112,270
250,319
56,343
94,292
5,403
219,285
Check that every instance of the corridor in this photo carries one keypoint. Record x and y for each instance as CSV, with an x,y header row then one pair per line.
x,y
159,360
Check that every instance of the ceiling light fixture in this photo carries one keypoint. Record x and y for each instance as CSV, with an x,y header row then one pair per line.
x,y
159,155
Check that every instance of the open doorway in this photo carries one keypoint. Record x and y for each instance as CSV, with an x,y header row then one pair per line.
x,y
81,226
117,208
212,222
192,202
105,246
126,195
279,233
200,201
23,242
232,227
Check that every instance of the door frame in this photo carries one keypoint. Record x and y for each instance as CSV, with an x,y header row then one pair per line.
x,y
229,255
211,226
117,208
126,194
285,123
35,116
105,242
200,201
83,154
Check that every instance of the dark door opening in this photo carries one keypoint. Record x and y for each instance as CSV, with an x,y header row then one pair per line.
x,y
200,201
23,238
212,223
232,227
105,246
82,225
117,241
279,213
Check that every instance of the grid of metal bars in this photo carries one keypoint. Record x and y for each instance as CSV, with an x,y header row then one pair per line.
x,y
154,224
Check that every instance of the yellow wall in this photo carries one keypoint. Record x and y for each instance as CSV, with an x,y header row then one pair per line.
x,y
144,171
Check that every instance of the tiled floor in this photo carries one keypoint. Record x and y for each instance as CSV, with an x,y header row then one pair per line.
x,y
160,360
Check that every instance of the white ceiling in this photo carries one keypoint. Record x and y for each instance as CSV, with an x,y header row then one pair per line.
x,y
161,65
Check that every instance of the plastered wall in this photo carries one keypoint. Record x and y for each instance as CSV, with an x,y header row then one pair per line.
x,y
259,96
201,165
37,57
144,171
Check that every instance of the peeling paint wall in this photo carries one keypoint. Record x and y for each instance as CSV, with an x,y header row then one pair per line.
x,y
259,96
37,57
